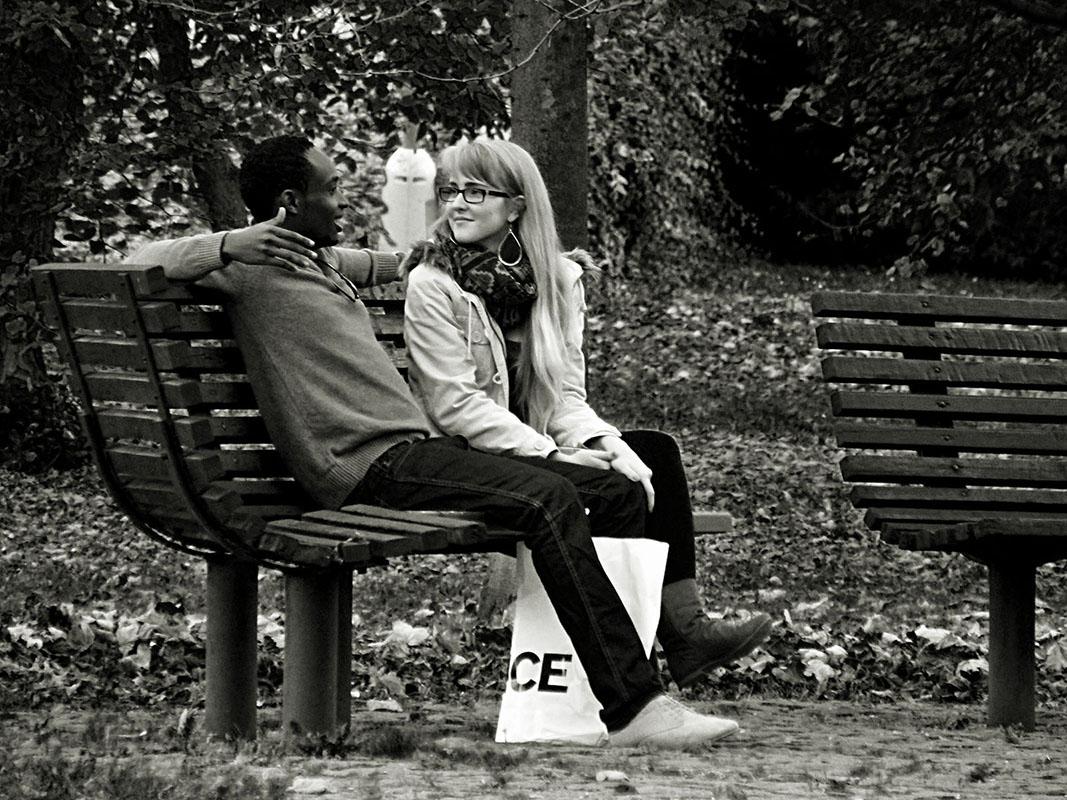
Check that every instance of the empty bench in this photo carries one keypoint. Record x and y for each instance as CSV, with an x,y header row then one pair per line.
x,y
177,436
953,415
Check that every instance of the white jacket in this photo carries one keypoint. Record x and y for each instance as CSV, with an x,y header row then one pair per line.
x,y
458,369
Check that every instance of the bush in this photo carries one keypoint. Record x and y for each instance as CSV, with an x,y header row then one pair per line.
x,y
915,139
660,129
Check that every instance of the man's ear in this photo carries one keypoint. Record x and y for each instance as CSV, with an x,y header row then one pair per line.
x,y
290,200
516,205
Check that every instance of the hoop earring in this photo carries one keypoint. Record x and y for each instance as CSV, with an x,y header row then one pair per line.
x,y
517,246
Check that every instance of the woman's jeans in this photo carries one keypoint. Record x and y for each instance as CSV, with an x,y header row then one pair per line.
x,y
557,507
671,521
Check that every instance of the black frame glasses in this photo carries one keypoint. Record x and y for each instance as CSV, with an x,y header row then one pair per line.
x,y
474,195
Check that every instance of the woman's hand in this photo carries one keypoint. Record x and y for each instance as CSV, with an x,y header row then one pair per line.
x,y
270,244
626,462
597,459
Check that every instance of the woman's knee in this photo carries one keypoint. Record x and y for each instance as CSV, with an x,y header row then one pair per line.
x,y
653,447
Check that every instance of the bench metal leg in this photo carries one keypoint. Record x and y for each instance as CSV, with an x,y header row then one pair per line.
x,y
344,648
309,690
232,606
1011,644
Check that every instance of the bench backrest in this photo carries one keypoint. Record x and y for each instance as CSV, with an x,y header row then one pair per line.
x,y
177,435
951,409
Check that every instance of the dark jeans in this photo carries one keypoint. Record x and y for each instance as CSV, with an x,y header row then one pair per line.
x,y
558,507
672,519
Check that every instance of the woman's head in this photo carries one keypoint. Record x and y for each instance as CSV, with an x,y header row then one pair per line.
x,y
517,197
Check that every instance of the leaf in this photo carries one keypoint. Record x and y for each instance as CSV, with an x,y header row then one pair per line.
x,y
1056,656
406,634
389,704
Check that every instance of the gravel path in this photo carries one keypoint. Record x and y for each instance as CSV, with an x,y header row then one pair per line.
x,y
785,751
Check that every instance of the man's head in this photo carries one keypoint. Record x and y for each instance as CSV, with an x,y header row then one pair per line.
x,y
290,172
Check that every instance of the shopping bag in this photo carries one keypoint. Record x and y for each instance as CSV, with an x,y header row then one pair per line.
x,y
547,697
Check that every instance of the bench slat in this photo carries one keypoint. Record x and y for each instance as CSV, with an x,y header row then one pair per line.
x,y
970,341
162,494
947,308
1038,472
464,529
171,355
110,315
258,489
433,534
233,430
254,462
961,407
877,518
957,497
313,551
183,393
1043,540
136,388
884,437
199,323
1000,375
132,462
382,544
273,511
98,280
147,425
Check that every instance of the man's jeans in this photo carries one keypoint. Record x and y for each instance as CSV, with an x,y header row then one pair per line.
x,y
558,507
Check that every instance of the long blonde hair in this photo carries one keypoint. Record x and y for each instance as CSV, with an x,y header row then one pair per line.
x,y
509,168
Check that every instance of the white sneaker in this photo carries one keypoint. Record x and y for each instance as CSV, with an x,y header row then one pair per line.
x,y
665,722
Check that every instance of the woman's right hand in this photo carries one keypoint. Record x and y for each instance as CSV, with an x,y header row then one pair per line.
x,y
597,459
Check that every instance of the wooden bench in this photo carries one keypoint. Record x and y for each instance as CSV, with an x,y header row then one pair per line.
x,y
177,436
953,413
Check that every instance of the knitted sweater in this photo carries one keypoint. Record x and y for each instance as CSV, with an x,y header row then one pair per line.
x,y
330,397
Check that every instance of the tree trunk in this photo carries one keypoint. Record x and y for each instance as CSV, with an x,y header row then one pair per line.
x,y
215,173
549,110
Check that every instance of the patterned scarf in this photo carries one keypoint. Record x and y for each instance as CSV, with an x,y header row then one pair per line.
x,y
508,292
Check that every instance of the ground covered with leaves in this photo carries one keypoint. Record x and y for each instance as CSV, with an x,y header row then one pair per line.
x,y
94,614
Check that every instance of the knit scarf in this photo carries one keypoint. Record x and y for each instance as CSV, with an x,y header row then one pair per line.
x,y
508,291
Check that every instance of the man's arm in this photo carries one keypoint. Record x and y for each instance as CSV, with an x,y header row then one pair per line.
x,y
263,244
365,267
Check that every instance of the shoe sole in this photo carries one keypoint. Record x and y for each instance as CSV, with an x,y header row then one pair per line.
x,y
758,637
650,741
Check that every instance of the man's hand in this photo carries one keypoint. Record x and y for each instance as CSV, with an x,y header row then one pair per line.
x,y
269,244
597,459
626,462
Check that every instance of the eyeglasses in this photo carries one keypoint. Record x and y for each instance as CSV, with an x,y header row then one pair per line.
x,y
472,194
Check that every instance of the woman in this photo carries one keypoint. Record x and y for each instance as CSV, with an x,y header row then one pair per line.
x,y
493,321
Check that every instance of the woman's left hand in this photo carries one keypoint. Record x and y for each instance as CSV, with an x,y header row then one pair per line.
x,y
626,462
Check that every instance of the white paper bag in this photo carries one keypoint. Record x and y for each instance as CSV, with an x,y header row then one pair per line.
x,y
547,697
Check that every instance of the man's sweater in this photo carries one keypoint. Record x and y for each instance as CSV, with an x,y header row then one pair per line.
x,y
330,397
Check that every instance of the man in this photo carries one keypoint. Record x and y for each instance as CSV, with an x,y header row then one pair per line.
x,y
348,427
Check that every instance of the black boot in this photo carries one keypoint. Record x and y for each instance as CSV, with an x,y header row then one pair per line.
x,y
693,643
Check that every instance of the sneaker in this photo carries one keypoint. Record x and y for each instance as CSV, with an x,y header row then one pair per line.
x,y
666,723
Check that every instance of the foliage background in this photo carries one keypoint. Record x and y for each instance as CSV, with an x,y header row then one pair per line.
x,y
910,137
